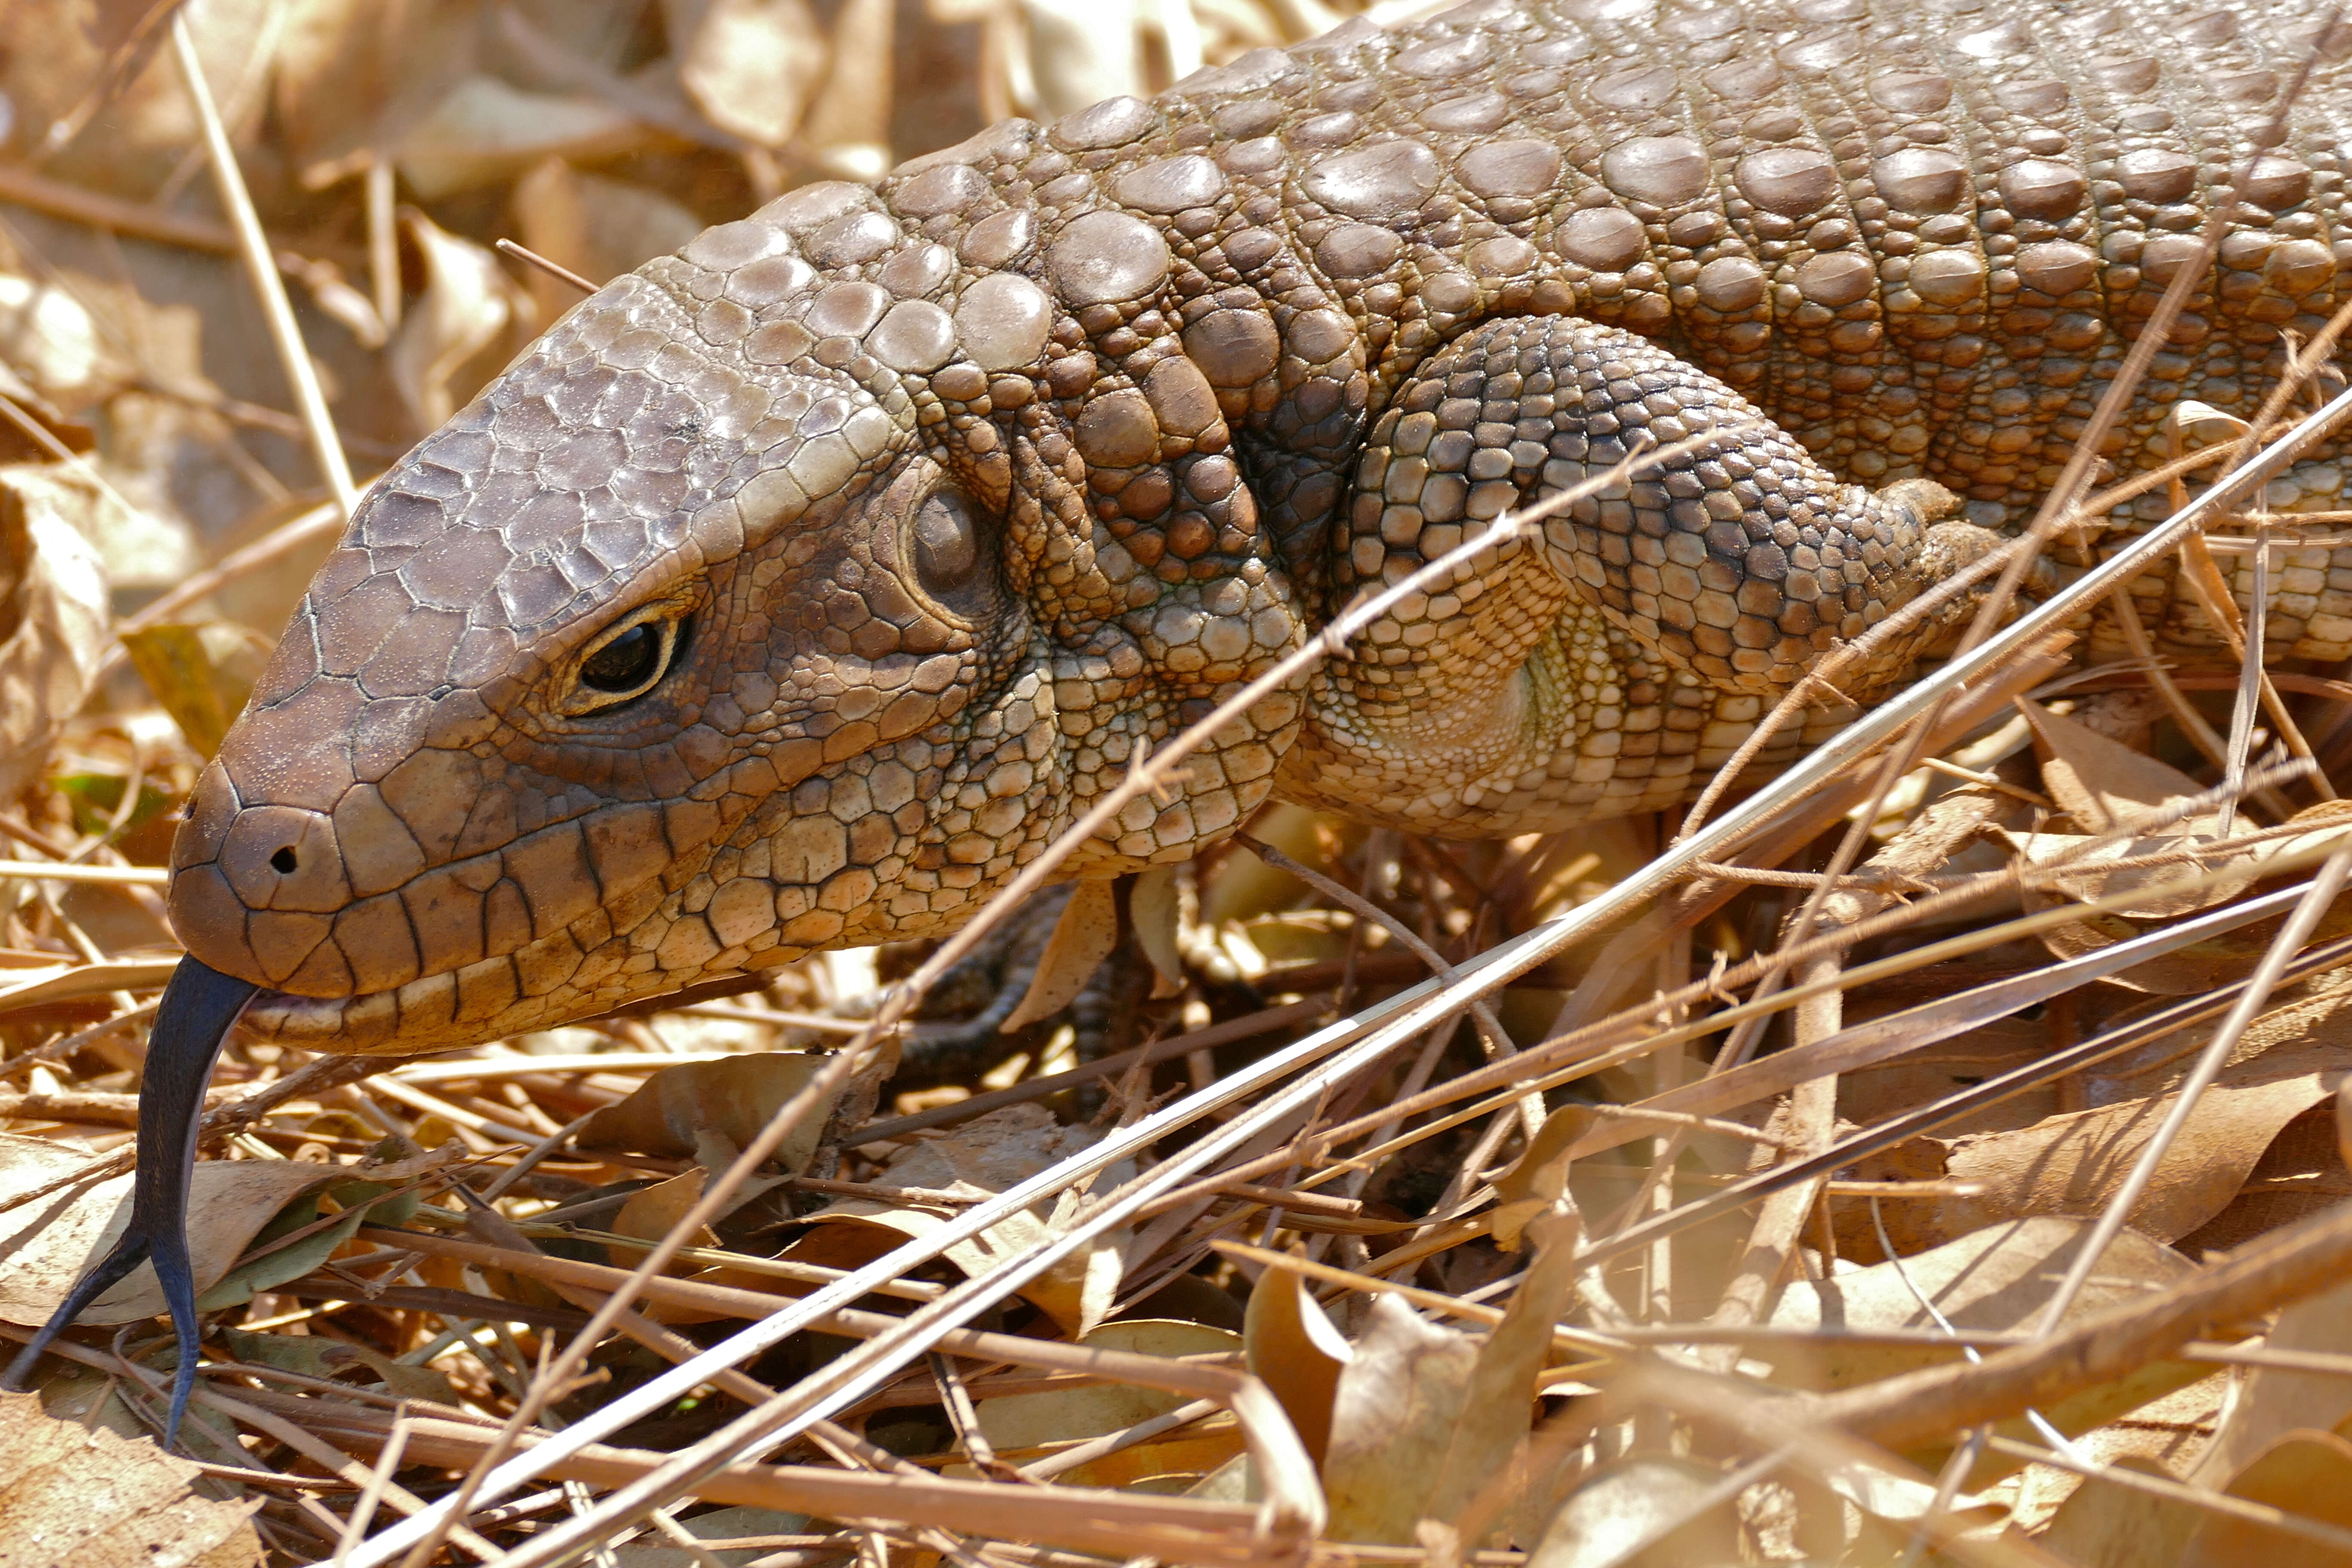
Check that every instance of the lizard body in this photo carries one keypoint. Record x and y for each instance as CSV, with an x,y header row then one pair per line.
x,y
792,591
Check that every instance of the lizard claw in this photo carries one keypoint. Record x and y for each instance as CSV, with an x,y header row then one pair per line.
x,y
197,1008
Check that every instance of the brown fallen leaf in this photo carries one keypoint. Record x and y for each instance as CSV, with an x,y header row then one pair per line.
x,y
1997,1279
598,227
2102,783
1083,937
982,1158
1030,1425
1299,1352
196,674
53,622
2305,1472
1400,1397
1641,1514
2071,1164
72,1494
2102,1525
749,66
47,1243
675,1112
486,129
2272,1402
467,306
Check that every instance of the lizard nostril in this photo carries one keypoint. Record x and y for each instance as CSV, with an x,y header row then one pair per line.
x,y
283,862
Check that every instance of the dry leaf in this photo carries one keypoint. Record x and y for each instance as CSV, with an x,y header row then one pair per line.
x,y
51,341
467,304
598,227
315,1356
1539,1178
1030,1425
49,1242
1999,1278
72,1494
1082,52
2272,1402
2071,1164
202,676
1299,1352
1155,903
675,1111
2305,1472
486,129
2102,1525
1641,1514
1083,937
846,127
1400,1400
749,65
986,1156
655,1549
54,623
2102,783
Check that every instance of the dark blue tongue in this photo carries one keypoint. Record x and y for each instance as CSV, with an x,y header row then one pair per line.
x,y
192,1020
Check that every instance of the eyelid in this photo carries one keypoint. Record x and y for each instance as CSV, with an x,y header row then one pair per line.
x,y
579,700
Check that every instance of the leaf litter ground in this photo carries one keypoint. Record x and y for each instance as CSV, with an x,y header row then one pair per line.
x,y
1941,1161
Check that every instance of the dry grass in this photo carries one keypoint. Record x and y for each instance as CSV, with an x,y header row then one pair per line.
x,y
1890,1163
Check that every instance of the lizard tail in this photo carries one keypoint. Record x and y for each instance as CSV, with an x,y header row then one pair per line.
x,y
194,1018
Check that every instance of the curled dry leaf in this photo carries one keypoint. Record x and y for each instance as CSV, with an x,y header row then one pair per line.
x,y
48,1242
1026,1425
749,65
488,129
70,1493
53,622
1998,1278
2272,1402
1539,1179
2102,783
980,1159
847,128
675,1112
1155,905
2103,1525
467,306
2305,1472
2072,1164
1641,1514
1299,1352
1083,937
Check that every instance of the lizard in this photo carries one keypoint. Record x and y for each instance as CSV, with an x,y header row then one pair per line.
x,y
793,590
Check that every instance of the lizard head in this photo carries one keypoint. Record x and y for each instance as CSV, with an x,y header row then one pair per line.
x,y
771,601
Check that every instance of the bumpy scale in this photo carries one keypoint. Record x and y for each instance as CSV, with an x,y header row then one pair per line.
x,y
794,590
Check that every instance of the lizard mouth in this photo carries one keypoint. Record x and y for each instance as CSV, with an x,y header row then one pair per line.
x,y
464,1006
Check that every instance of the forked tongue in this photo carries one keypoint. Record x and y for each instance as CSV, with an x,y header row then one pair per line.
x,y
190,1022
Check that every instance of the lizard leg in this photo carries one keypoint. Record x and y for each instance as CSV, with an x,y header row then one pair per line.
x,y
1606,662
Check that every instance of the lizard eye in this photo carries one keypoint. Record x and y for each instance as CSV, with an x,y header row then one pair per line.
x,y
630,661
943,538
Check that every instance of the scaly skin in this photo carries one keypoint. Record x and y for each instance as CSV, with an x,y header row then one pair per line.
x,y
938,500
